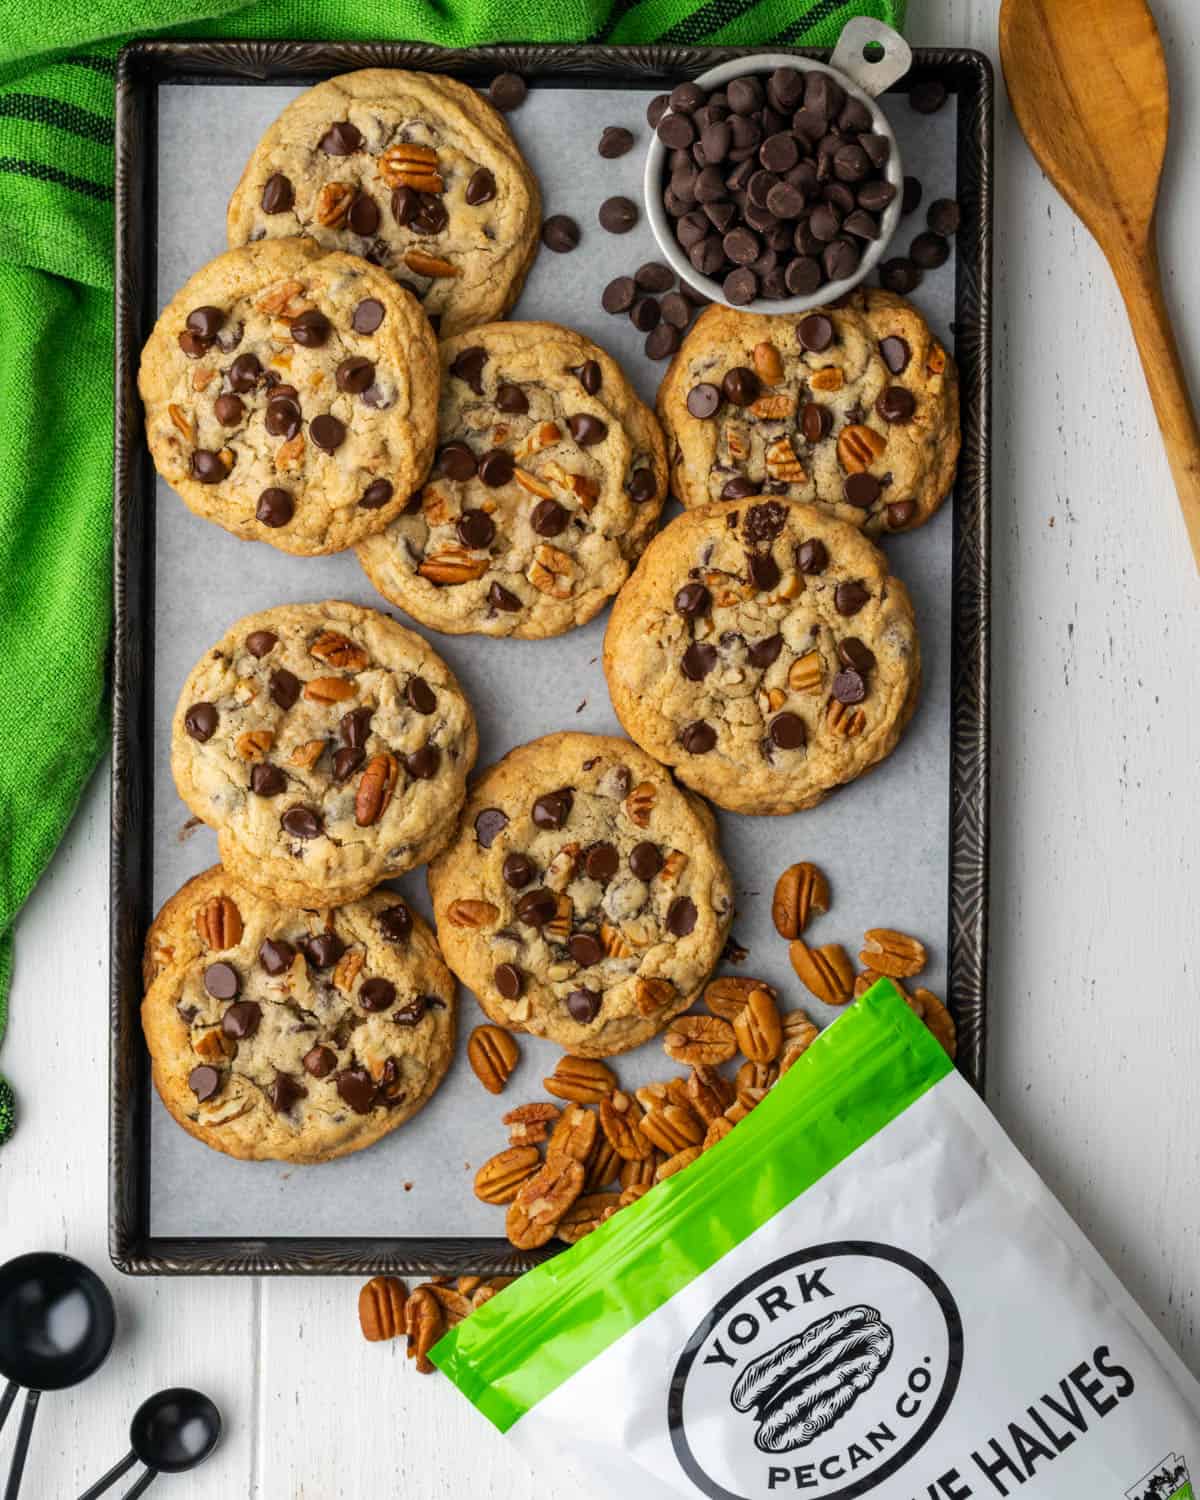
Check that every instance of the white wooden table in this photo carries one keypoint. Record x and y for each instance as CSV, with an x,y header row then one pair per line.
x,y
1095,1046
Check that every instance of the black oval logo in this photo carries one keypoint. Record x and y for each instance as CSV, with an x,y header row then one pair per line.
x,y
821,1375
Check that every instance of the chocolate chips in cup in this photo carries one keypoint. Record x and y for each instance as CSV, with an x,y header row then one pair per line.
x,y
776,184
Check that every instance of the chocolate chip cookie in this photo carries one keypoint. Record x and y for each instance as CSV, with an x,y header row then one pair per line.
x,y
549,478
854,406
291,395
414,171
327,745
763,652
585,898
293,1035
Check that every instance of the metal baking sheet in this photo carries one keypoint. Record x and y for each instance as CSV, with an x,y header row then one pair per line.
x,y
886,843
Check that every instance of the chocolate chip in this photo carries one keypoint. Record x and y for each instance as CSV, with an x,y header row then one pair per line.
x,y
512,399
285,1093
693,600
356,1088
241,1020
815,333
763,653
618,215
676,131
267,780
475,529
615,141
662,341
509,980
322,949
468,366
698,661
406,204
911,198
583,1005
549,518
698,737
261,643
928,96
764,522
302,822
862,225
707,255
377,494
787,731
277,194
856,655
560,232
496,467
244,373
354,375
896,404
363,217
192,345
740,386
656,109
422,764
849,598
552,809
200,721
222,981
900,513
653,276
228,410
943,216
395,922
585,949
764,571
507,91
619,294
276,956
456,461
676,310
377,995
589,375
490,822
481,187
899,275
518,870
816,421
207,466
601,862
861,490
204,1082
341,139
645,314
367,316
738,488
645,860
895,353
205,322
327,432
703,400
824,222
681,916
346,761
311,329
745,94
586,429
500,598
875,195
929,251
642,486
319,1062
282,417
803,276
812,556
535,908
840,259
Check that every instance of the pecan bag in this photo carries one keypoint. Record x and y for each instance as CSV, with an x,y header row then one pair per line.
x,y
863,1290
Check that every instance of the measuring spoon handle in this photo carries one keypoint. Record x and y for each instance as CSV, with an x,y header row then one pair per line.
x,y
141,1486
7,1399
28,1412
122,1467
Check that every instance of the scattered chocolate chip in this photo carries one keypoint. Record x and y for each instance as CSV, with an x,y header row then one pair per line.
x,y
618,296
662,341
812,556
849,598
363,217
341,139
815,333
229,410
645,314
589,375
496,467
943,216
928,96
406,205
456,461
698,737
560,232
282,417
267,780
285,1093
276,956
618,215
322,949
586,430
764,571
319,1062
740,386
585,949
509,980
911,198
601,862
367,316
377,494
261,643
929,251
277,194
507,91
895,353
490,822
896,404
518,870
656,109
900,513
302,823
861,490
395,922
583,1005
241,1020
511,400
481,187
899,274
816,421
311,329
615,141
200,721
204,1082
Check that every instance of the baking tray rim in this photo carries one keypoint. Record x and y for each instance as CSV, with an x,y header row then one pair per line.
x,y
141,67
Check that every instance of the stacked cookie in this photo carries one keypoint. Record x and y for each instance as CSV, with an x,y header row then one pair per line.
x,y
504,481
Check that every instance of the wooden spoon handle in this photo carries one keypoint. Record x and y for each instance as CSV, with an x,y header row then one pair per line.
x,y
1141,286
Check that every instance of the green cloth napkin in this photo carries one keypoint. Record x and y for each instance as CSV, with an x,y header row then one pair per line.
x,y
56,167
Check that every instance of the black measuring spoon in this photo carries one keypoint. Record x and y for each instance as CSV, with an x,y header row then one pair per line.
x,y
57,1322
171,1431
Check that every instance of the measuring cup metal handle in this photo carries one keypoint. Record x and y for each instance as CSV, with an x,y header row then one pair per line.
x,y
6,1401
122,1467
29,1411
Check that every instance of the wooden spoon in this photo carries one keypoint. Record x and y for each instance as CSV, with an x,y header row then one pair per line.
x,y
1088,84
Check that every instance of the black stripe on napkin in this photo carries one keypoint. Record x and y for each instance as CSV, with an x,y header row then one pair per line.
x,y
40,110
43,173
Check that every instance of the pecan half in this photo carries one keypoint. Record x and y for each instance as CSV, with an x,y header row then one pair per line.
x,y
498,1180
381,1308
328,689
640,803
453,566
375,789
670,1127
858,447
182,423
726,995
347,969
717,1130
602,1165
620,1119
424,1322
939,1020
530,1124
825,972
219,923
782,462
829,378
799,1034
892,953
307,754
430,265
532,485
333,204
254,744
768,363
651,995
614,942
584,1080
493,1054
775,408
677,1162
801,890
708,1092
534,1214
408,165
474,914
574,1135
339,651
700,1039
588,1212
552,571
805,673
673,867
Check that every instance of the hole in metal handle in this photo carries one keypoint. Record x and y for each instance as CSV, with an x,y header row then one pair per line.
x,y
871,54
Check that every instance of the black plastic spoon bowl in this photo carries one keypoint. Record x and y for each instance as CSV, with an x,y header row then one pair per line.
x,y
57,1322
171,1431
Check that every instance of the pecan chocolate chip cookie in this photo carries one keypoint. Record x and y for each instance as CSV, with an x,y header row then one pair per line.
x,y
413,171
288,1034
291,396
763,652
327,745
549,479
585,898
854,406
